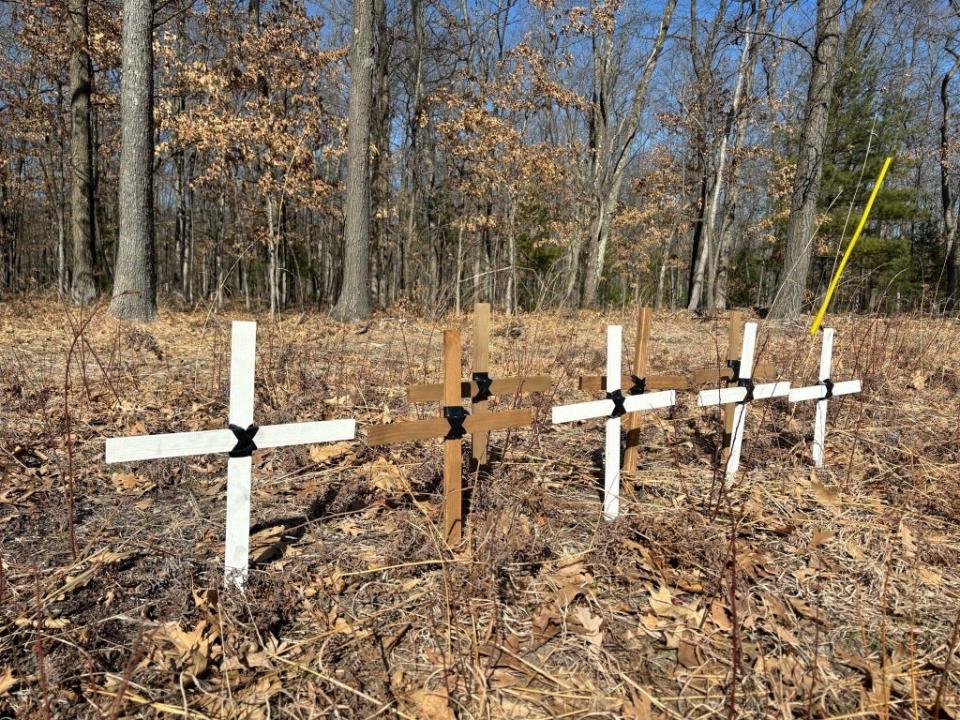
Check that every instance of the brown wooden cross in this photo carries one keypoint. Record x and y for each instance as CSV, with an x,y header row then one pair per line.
x,y
481,386
451,426
640,381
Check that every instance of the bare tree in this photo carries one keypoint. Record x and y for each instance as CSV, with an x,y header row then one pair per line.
x,y
134,288
354,301
806,183
611,143
948,203
83,288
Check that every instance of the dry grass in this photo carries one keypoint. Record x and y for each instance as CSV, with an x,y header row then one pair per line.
x,y
846,581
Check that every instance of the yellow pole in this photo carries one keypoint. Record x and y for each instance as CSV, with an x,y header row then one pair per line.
x,y
846,256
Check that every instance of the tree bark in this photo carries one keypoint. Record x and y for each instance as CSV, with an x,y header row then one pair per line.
x,y
806,184
354,301
948,205
610,155
83,288
134,288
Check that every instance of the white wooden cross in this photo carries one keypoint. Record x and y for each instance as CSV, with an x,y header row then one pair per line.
x,y
822,392
613,408
742,394
239,441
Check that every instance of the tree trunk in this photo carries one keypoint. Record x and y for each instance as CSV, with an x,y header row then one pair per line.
x,y
134,288
806,184
948,206
610,155
83,289
354,301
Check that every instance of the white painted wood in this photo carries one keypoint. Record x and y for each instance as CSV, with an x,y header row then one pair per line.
x,y
151,447
650,401
236,557
239,470
308,433
611,453
581,411
243,357
735,395
818,392
602,409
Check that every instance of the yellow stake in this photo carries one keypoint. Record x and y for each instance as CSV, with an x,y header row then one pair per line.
x,y
846,256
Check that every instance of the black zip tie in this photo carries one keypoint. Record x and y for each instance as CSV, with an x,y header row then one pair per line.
x,y
618,408
735,366
748,384
455,415
828,384
245,444
483,381
639,385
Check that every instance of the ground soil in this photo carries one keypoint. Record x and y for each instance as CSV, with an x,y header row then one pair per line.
x,y
798,592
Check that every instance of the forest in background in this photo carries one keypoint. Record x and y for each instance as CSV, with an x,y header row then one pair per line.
x,y
533,153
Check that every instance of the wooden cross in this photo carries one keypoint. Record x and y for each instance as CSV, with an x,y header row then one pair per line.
x,y
453,424
740,395
822,392
613,408
481,386
238,441
641,380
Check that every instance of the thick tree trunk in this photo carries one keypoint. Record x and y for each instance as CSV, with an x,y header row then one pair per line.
x,y
83,288
948,205
806,184
134,287
354,301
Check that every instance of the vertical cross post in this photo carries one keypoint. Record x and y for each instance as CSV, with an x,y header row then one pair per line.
x,y
239,441
739,396
640,358
454,423
611,455
734,341
243,358
822,392
452,448
481,364
612,409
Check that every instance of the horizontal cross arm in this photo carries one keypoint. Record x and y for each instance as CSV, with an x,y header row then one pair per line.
x,y
761,371
725,396
597,383
484,422
816,392
582,411
438,427
468,389
168,445
307,433
650,401
152,447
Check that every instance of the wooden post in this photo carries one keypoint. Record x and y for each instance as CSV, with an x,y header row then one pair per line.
x,y
452,426
640,356
481,363
452,449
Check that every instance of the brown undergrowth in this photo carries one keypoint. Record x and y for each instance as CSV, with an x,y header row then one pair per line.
x,y
798,593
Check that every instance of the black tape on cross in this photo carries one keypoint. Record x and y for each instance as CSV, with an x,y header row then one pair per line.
x,y
735,366
245,444
483,381
828,384
618,408
748,384
639,385
456,415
